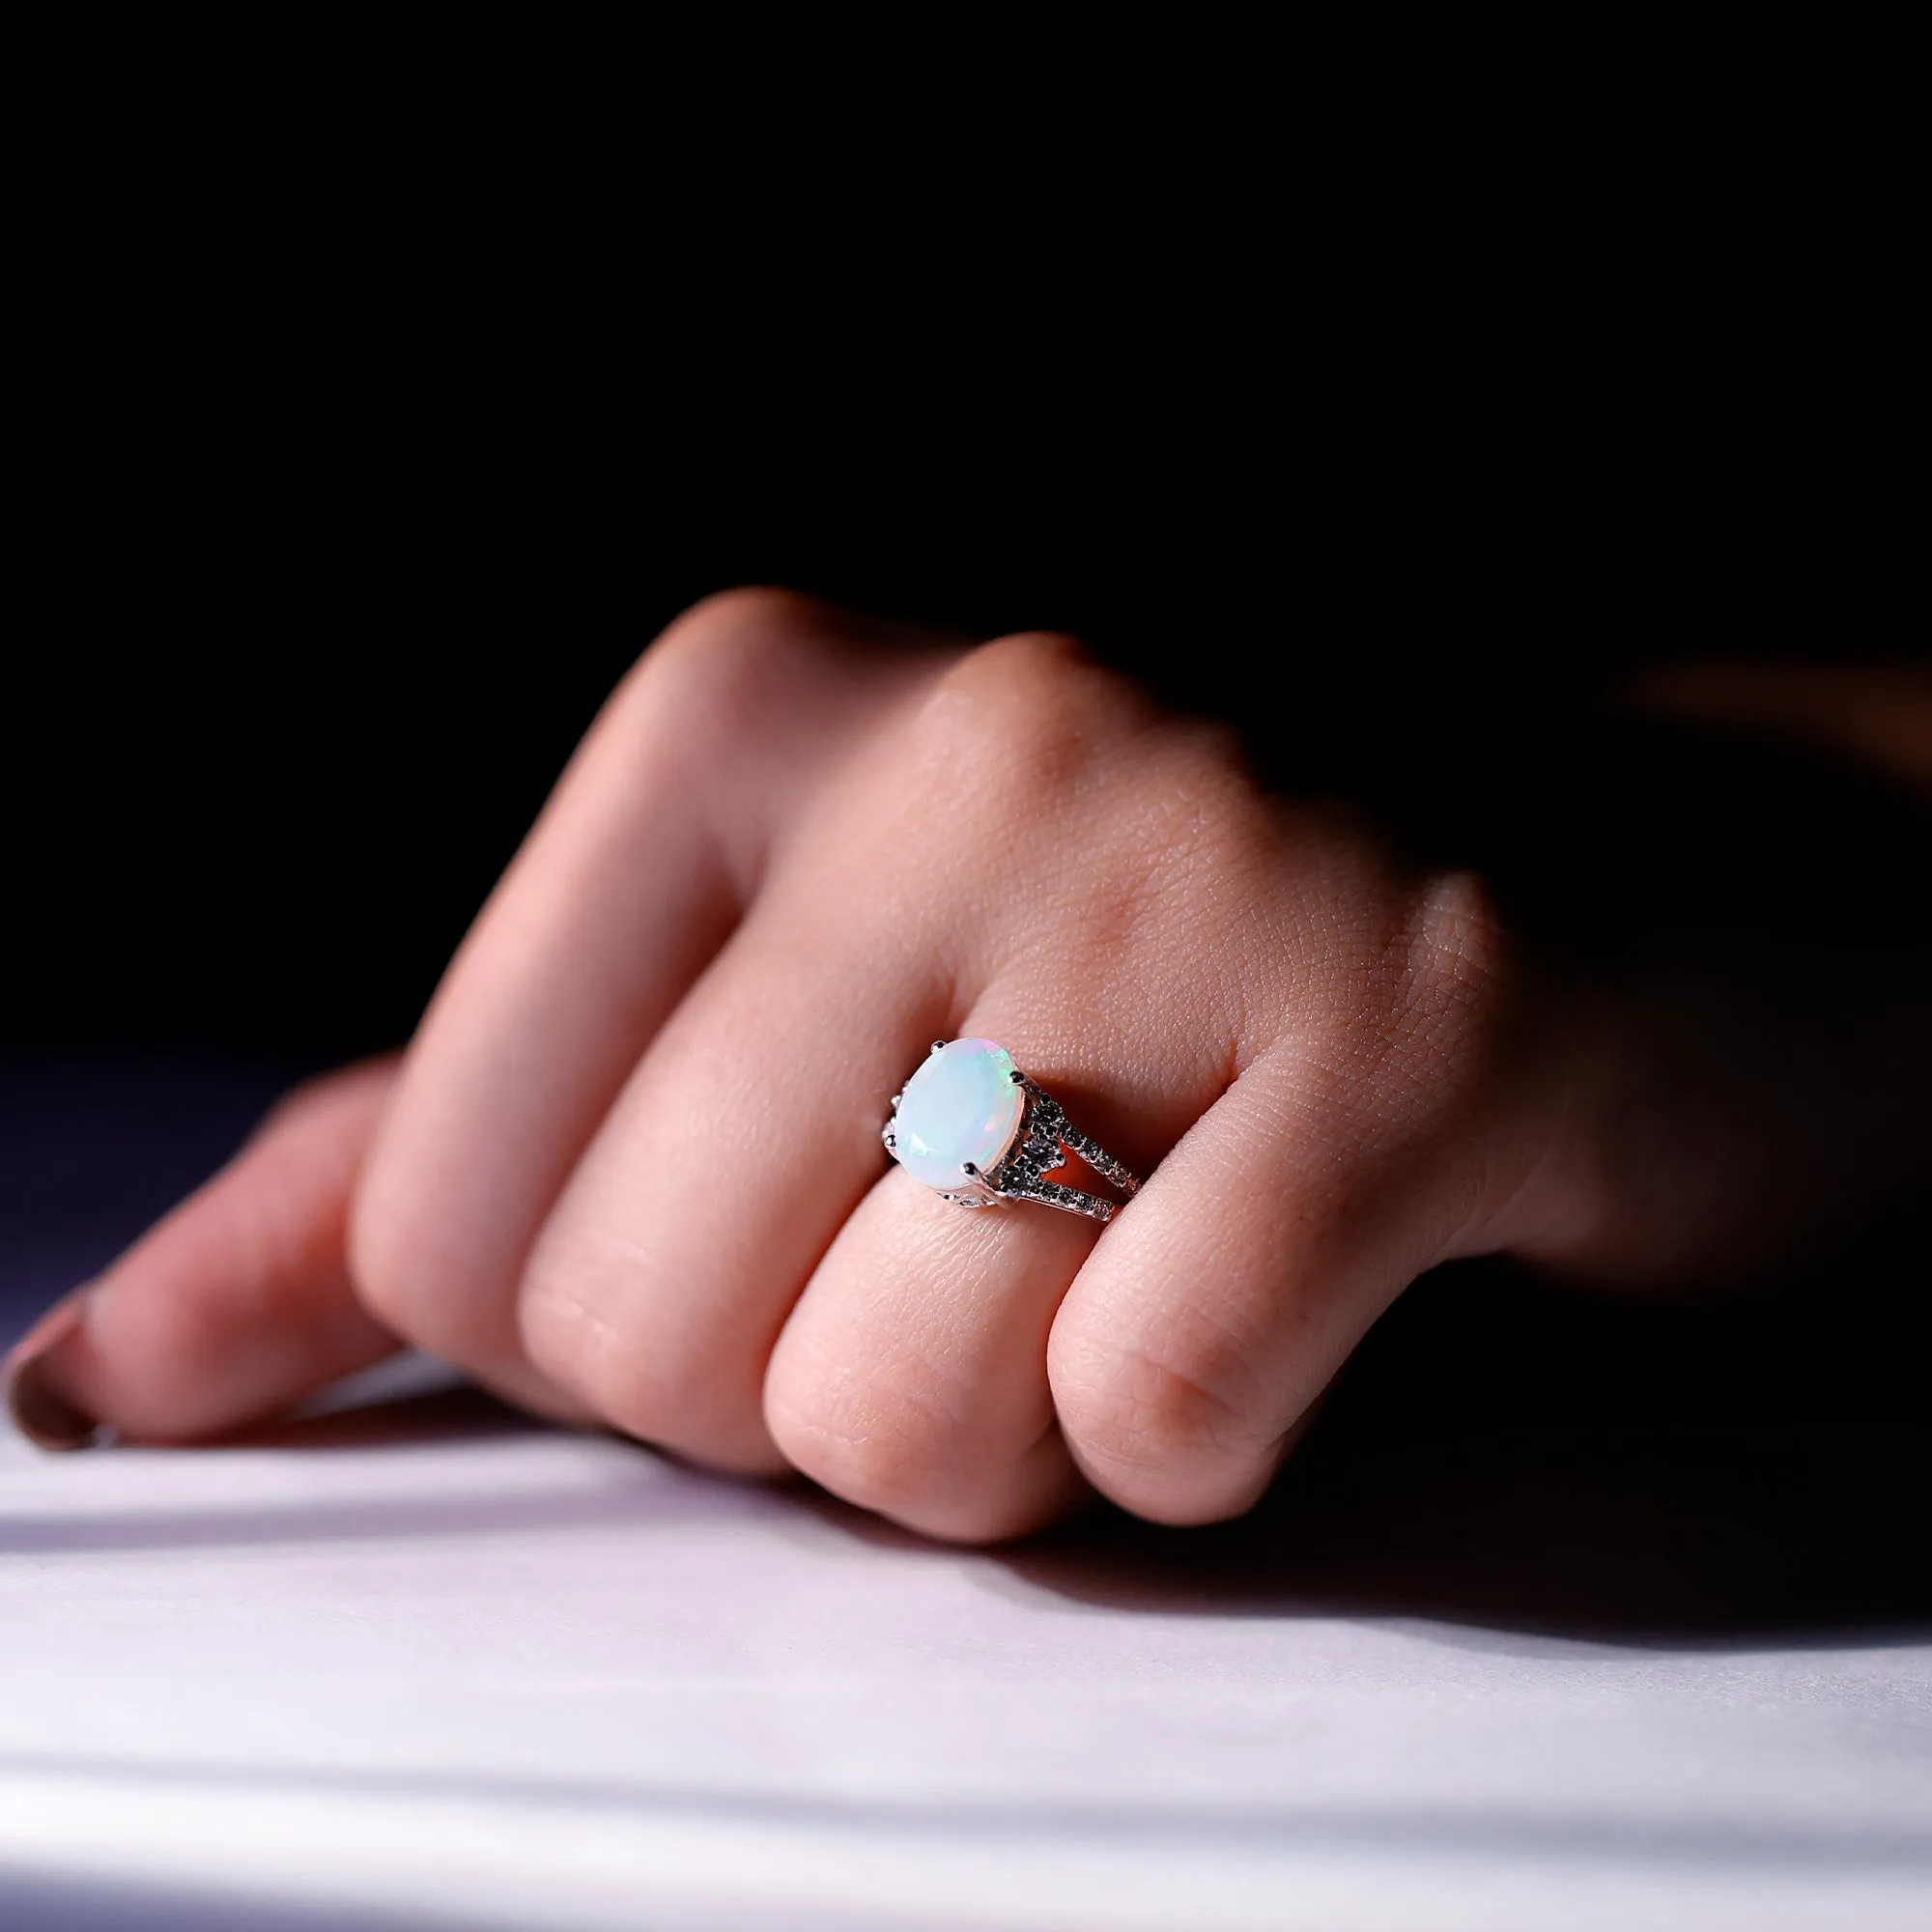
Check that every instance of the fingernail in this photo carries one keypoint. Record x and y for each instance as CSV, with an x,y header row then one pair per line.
x,y
37,1398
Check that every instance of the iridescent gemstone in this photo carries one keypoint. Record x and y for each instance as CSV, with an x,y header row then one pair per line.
x,y
963,1104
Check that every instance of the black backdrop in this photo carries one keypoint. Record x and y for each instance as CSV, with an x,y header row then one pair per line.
x,y
287,683
354,452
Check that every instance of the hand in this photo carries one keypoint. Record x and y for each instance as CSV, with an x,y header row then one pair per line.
x,y
629,1170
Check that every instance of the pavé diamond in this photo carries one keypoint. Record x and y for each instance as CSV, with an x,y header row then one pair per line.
x,y
962,1105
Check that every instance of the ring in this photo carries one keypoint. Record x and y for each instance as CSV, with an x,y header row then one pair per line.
x,y
972,1126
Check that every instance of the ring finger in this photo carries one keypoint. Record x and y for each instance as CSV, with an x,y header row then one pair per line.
x,y
911,1377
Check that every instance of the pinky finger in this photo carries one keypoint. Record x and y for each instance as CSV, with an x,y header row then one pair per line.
x,y
235,1305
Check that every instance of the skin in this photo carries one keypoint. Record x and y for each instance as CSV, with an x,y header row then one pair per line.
x,y
628,1172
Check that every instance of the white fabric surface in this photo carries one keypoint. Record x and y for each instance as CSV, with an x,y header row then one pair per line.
x,y
521,1678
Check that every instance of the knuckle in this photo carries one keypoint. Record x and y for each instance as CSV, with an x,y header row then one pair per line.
x,y
1459,948
1028,669
1411,992
1151,1430
725,711
1035,707
1030,706
582,1339
720,656
1187,846
1453,975
732,631
408,1263
869,1442
586,1329
571,1343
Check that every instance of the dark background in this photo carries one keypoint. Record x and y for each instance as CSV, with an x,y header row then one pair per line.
x,y
294,661
358,443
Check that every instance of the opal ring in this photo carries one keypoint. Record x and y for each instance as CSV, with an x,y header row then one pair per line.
x,y
971,1124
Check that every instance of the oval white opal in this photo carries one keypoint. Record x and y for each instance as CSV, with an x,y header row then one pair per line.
x,y
962,1105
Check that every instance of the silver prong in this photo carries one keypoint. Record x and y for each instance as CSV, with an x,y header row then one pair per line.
x,y
897,1098
937,1045
892,1141
1017,1077
970,1172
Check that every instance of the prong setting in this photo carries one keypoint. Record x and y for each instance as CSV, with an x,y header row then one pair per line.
x,y
1039,1140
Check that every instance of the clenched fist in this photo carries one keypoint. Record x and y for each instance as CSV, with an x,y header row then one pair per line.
x,y
629,1170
